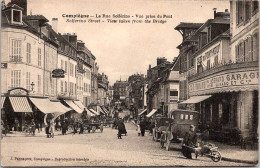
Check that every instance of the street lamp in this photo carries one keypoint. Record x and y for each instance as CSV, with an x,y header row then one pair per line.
x,y
32,84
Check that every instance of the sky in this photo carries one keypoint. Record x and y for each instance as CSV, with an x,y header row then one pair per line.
x,y
123,49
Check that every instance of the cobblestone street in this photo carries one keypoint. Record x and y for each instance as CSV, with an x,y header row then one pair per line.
x,y
95,149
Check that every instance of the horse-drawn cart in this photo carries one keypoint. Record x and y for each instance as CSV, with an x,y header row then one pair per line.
x,y
93,126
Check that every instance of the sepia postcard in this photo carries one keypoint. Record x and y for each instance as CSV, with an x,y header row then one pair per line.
x,y
129,83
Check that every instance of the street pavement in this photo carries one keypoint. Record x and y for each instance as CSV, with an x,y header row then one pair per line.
x,y
95,149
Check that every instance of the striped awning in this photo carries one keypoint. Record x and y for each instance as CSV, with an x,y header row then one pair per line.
x,y
20,104
82,107
44,105
61,107
99,109
2,101
142,112
73,106
151,113
93,111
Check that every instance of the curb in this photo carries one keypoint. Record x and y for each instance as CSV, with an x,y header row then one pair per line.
x,y
239,161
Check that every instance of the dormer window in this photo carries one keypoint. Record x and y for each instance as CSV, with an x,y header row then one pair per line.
x,y
16,16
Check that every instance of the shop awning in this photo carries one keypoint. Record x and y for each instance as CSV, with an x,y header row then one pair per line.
x,y
93,111
47,106
60,106
44,105
196,99
82,107
73,106
2,101
99,109
151,113
142,112
20,104
77,102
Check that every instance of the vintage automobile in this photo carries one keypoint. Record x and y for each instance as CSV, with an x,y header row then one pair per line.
x,y
181,121
161,124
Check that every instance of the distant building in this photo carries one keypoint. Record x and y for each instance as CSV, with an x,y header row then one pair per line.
x,y
102,89
120,91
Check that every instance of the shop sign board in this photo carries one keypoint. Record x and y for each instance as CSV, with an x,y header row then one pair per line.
x,y
3,65
225,80
58,73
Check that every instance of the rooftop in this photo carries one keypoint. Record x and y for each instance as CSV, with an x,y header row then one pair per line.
x,y
188,25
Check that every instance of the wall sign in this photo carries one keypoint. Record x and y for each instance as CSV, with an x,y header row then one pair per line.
x,y
58,73
3,65
225,80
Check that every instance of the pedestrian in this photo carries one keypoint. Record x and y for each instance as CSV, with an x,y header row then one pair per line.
x,y
75,127
81,128
37,126
189,142
52,128
142,127
121,129
63,127
47,128
33,127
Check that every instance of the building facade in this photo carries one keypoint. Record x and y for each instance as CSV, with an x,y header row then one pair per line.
x,y
223,83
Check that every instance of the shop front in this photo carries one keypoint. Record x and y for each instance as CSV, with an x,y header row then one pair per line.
x,y
231,102
19,108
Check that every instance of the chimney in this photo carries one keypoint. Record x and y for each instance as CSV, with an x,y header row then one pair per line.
x,y
215,11
55,24
161,60
150,66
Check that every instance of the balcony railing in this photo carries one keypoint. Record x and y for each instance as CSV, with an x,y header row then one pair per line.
x,y
15,59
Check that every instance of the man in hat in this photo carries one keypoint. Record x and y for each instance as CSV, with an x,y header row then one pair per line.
x,y
189,142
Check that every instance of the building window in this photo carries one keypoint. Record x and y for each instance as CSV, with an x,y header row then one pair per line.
x,y
254,7
65,87
39,57
208,64
62,64
15,78
39,83
28,82
247,10
52,86
182,116
75,70
66,67
216,60
28,53
174,93
255,47
240,52
239,12
61,86
75,89
16,51
17,16
71,69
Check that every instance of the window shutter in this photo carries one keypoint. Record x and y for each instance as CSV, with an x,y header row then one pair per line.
x,y
246,50
255,47
236,53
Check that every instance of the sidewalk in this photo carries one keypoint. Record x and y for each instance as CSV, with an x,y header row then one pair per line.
x,y
234,153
